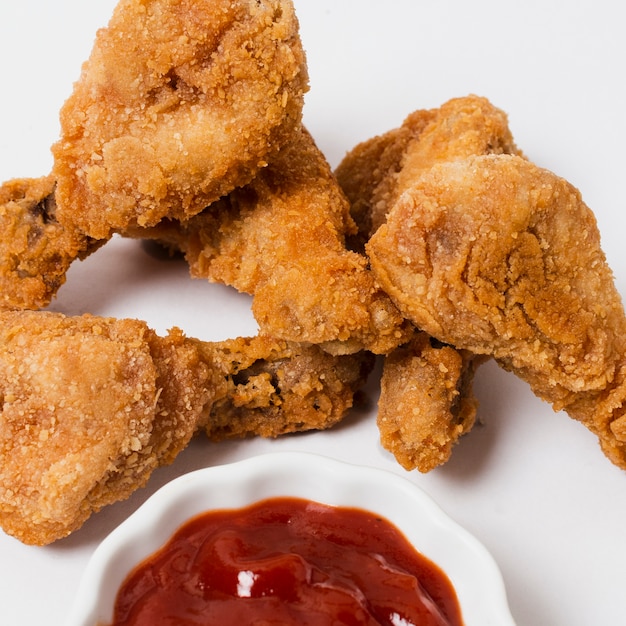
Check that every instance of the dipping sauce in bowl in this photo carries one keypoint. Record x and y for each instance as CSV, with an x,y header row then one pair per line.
x,y
246,487
287,561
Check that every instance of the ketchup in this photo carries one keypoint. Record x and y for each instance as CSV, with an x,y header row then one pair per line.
x,y
287,561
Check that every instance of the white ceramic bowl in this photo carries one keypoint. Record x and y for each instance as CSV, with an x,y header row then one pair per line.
x,y
469,566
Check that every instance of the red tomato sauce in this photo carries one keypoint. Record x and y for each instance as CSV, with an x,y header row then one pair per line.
x,y
287,561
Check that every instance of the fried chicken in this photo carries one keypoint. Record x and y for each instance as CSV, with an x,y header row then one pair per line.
x,y
437,405
276,387
426,401
180,102
497,256
282,239
90,406
376,172
35,250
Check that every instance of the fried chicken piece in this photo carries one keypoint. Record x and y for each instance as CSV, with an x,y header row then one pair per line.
x,y
374,175
277,387
282,239
180,102
426,401
35,250
376,172
90,406
497,256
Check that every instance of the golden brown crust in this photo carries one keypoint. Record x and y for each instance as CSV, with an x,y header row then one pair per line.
x,y
377,172
426,402
276,387
374,175
497,256
368,173
80,402
35,250
179,102
282,239
90,406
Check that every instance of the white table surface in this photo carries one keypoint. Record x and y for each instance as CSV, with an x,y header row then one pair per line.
x,y
531,484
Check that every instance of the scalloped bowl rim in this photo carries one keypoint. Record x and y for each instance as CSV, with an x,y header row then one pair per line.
x,y
467,563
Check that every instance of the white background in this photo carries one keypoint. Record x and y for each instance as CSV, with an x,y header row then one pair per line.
x,y
532,485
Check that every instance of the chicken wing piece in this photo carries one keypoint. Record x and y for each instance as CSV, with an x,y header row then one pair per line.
x,y
35,250
90,406
376,172
373,176
282,239
180,102
426,401
277,387
497,256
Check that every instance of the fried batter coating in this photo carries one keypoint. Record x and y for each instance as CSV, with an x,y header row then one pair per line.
x,y
497,256
376,172
368,174
90,406
426,402
277,387
35,250
180,102
373,176
282,239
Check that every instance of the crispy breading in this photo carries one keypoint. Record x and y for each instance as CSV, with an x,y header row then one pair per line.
x,y
90,406
277,387
376,172
180,102
282,239
35,250
374,175
426,401
368,174
497,256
